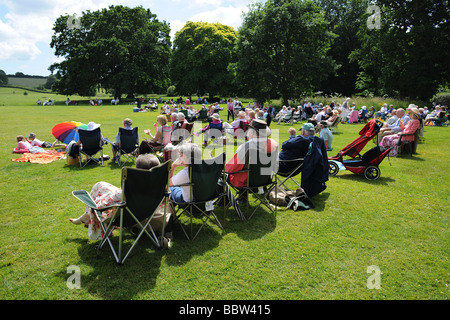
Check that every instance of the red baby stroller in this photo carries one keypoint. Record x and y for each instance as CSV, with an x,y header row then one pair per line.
x,y
366,164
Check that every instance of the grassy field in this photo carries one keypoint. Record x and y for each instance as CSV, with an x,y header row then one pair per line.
x,y
26,82
398,223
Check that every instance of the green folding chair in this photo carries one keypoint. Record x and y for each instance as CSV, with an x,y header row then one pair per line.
x,y
205,192
143,192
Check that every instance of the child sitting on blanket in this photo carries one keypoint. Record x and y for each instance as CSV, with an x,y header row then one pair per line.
x,y
22,145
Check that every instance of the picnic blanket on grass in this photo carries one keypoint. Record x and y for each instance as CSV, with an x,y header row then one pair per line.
x,y
41,158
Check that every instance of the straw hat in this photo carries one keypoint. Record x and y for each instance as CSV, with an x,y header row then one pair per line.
x,y
260,126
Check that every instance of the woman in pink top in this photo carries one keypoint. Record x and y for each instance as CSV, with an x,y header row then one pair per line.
x,y
409,129
22,144
160,139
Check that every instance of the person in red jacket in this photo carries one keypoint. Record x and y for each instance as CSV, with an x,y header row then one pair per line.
x,y
258,138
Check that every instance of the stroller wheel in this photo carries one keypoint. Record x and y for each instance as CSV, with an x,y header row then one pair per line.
x,y
334,168
372,173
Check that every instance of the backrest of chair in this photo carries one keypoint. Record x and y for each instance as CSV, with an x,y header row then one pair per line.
x,y
204,177
188,127
167,133
143,190
261,166
90,140
128,139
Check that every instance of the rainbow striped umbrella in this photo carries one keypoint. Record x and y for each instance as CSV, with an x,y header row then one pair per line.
x,y
67,131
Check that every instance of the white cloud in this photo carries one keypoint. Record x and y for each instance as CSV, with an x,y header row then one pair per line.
x,y
26,30
231,16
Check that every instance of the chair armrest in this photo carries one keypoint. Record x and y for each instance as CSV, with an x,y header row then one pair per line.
x,y
401,135
86,198
235,172
291,160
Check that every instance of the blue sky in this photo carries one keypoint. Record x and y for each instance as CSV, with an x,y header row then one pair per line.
x,y
26,25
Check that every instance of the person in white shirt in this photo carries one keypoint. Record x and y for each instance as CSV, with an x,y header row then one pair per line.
x,y
187,153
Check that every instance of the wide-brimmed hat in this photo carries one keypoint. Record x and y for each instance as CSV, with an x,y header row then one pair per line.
x,y
414,110
260,126
216,116
308,127
92,125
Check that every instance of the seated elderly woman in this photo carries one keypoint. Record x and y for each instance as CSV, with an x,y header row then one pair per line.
x,y
409,129
105,194
160,139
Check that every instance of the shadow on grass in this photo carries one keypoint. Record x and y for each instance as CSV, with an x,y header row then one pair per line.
x,y
261,223
319,201
360,178
414,157
109,280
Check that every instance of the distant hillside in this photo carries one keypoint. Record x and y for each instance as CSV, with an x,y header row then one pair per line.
x,y
27,82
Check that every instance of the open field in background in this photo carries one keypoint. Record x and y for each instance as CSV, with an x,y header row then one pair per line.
x,y
399,223
26,82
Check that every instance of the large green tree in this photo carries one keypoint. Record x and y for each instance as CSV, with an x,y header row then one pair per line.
x,y
408,54
3,78
124,50
345,18
283,50
201,56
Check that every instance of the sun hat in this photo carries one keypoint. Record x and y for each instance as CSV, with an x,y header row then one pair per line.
x,y
92,125
308,127
415,111
260,126
216,116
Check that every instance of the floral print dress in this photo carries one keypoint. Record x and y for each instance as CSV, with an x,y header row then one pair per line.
x,y
104,194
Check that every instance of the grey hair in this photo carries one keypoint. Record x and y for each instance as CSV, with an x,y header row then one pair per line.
x,y
191,151
181,115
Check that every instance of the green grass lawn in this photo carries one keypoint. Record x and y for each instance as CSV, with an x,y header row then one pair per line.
x,y
398,223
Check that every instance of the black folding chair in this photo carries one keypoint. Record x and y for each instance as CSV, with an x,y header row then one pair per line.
x,y
261,169
91,144
296,166
128,145
204,192
143,192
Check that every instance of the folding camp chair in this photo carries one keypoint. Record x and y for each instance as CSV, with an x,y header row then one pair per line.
x,y
147,147
205,193
335,124
143,192
284,177
408,147
239,132
203,115
182,133
261,179
91,144
128,145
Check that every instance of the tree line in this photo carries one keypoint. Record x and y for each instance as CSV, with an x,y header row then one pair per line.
x,y
284,49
